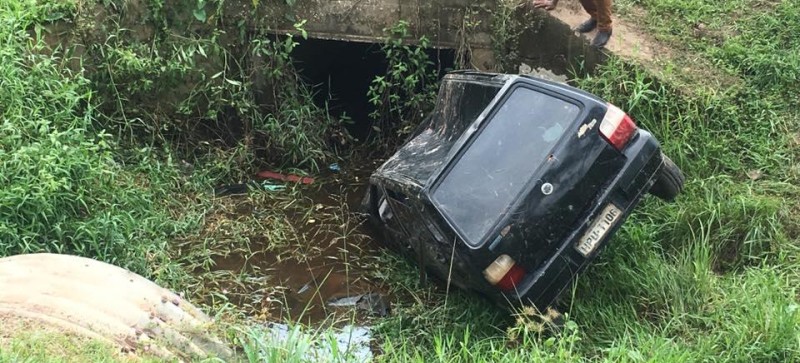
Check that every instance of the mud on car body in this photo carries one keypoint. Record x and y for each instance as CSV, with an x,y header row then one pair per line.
x,y
514,184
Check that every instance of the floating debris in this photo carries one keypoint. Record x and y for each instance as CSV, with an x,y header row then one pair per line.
x,y
244,188
285,177
373,303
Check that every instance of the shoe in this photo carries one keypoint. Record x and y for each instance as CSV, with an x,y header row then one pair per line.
x,y
601,38
586,26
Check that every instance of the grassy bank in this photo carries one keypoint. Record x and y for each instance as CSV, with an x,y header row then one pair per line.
x,y
63,187
51,347
709,278
713,277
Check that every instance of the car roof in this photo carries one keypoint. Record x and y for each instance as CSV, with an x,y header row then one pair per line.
x,y
496,78
435,142
429,147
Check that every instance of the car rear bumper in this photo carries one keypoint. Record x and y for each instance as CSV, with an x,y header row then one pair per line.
x,y
543,286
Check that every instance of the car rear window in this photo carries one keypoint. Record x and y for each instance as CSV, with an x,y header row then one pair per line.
x,y
491,173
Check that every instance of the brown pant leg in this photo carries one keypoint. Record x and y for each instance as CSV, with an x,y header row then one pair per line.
x,y
599,10
603,15
590,7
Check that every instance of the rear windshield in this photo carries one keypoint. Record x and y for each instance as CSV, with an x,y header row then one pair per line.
x,y
482,185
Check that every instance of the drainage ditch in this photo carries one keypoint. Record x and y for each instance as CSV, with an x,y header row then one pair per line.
x,y
327,272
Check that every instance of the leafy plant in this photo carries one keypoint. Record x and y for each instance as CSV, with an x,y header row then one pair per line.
x,y
199,11
404,94
506,31
61,188
195,89
469,23
294,125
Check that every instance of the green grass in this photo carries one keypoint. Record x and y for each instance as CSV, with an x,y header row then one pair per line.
x,y
39,347
752,39
61,188
711,277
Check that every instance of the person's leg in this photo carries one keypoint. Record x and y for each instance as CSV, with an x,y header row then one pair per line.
x,y
591,7
603,14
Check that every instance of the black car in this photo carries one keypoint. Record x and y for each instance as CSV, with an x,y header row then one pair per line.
x,y
513,185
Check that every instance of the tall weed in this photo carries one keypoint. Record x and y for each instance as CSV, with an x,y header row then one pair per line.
x,y
405,93
61,189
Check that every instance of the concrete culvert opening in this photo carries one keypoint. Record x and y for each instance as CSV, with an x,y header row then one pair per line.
x,y
341,72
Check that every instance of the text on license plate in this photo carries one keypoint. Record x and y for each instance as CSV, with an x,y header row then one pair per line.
x,y
598,230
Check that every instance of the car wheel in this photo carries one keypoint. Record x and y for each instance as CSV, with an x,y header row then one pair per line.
x,y
669,180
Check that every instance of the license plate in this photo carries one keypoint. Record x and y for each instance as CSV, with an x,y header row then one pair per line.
x,y
600,227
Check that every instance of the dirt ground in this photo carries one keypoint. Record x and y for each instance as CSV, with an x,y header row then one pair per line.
x,y
632,41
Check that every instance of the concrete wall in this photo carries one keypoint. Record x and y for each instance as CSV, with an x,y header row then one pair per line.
x,y
441,21
544,40
551,43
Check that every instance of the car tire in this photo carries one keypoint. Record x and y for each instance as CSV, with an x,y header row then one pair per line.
x,y
668,181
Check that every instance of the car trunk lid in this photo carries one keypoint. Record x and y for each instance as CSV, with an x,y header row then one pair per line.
x,y
502,160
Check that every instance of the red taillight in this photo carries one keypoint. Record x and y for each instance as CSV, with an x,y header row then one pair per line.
x,y
617,127
504,273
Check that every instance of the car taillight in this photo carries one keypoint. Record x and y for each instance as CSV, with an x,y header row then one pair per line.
x,y
504,273
617,127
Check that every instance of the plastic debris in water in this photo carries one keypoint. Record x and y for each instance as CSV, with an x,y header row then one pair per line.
x,y
244,188
272,187
283,177
231,189
374,303
334,167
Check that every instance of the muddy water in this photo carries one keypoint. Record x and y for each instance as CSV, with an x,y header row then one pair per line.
x,y
326,274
